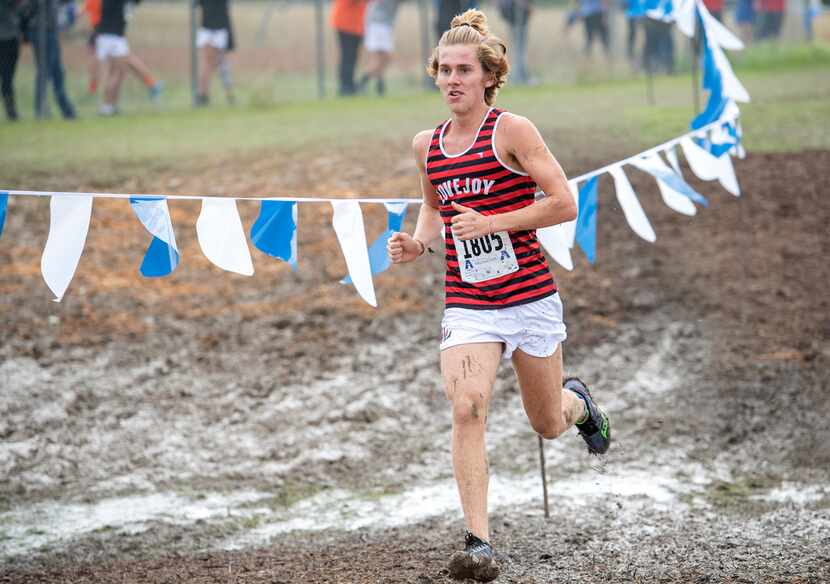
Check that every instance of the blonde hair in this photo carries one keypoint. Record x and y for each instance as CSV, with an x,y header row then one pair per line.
x,y
470,28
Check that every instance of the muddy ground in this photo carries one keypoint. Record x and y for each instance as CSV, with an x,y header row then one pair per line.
x,y
211,428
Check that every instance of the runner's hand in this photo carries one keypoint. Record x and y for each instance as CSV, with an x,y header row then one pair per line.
x,y
469,224
402,248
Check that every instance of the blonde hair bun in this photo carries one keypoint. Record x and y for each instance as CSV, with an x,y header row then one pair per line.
x,y
473,18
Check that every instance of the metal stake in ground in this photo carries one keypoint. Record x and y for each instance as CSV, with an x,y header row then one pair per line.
x,y
544,477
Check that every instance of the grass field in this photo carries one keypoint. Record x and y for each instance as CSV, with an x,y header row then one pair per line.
x,y
789,111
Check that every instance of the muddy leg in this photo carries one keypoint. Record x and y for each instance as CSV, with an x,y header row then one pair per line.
x,y
550,408
469,372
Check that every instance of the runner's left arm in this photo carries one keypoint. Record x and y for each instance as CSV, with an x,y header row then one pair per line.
x,y
523,146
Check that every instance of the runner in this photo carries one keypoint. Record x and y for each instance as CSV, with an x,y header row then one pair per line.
x,y
479,171
111,48
213,42
134,62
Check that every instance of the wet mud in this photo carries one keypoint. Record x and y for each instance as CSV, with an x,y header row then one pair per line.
x,y
211,428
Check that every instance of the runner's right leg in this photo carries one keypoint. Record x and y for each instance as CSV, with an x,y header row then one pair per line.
x,y
469,372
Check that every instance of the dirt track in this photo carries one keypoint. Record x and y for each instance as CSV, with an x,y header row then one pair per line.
x,y
146,426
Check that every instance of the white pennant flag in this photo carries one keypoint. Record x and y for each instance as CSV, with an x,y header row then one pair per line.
x,y
555,241
707,166
222,237
718,33
68,228
684,16
634,213
655,166
731,86
348,225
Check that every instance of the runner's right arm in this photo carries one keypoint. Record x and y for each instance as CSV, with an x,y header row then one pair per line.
x,y
403,247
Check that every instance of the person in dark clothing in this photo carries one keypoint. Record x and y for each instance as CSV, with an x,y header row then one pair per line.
x,y
46,47
594,15
517,14
213,41
447,10
658,53
9,52
348,21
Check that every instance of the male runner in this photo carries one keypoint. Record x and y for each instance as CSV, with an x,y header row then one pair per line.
x,y
479,171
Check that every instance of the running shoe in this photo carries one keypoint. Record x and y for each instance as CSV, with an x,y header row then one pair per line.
x,y
596,430
476,561
154,91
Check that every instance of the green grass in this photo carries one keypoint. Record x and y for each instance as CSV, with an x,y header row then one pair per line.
x,y
789,111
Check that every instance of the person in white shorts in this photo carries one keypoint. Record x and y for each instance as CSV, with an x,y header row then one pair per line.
x,y
111,49
379,40
213,40
479,172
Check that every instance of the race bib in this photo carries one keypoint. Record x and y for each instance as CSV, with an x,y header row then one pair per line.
x,y
485,258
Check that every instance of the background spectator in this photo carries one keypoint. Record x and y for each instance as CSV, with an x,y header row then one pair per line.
x,y
745,19
517,15
770,19
380,41
213,40
658,53
594,14
134,62
348,20
446,10
46,47
715,8
9,52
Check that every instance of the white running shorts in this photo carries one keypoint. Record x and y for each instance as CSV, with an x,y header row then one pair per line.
x,y
218,39
536,328
379,38
111,46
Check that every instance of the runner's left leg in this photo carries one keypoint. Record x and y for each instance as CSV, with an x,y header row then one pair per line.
x,y
553,409
550,408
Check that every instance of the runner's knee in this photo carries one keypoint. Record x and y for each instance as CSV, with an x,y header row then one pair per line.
x,y
469,407
548,428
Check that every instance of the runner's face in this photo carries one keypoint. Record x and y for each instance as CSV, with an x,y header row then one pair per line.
x,y
461,78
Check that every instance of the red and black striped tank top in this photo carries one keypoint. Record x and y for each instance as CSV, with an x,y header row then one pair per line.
x,y
478,179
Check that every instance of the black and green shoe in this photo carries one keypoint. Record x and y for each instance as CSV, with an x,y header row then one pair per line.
x,y
596,430
476,561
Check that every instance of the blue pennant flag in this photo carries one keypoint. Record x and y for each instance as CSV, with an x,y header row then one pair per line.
x,y
712,81
162,255
677,183
378,257
275,230
4,201
652,8
586,221
718,149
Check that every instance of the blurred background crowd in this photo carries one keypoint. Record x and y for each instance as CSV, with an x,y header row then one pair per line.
x,y
86,55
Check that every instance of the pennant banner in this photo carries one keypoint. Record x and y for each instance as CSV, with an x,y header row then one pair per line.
x,y
4,202
630,204
162,256
555,241
675,192
709,167
68,227
222,237
378,257
221,234
586,220
275,230
348,225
